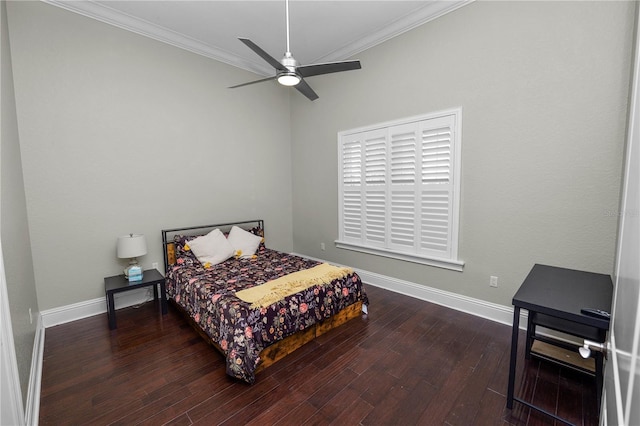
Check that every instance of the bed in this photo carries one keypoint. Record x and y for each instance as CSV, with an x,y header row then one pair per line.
x,y
258,306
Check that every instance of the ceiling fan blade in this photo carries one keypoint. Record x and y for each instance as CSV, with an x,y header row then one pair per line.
x,y
254,82
328,68
264,55
306,90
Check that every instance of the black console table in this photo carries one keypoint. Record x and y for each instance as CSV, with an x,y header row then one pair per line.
x,y
554,298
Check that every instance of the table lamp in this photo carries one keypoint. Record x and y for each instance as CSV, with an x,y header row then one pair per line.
x,y
131,247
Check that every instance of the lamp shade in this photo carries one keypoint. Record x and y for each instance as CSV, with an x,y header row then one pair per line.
x,y
132,245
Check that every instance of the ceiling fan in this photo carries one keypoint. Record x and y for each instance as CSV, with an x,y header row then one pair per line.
x,y
289,73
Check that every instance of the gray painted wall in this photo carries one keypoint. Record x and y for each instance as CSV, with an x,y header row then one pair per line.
x,y
120,134
14,229
124,134
543,87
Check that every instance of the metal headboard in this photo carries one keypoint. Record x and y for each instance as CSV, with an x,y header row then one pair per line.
x,y
168,234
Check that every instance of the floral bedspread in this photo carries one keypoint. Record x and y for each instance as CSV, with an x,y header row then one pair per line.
x,y
208,296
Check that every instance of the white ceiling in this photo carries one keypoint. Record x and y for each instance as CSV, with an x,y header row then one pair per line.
x,y
321,31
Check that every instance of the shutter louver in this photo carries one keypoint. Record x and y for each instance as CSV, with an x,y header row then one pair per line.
x,y
352,214
375,222
434,221
352,163
403,213
375,162
403,158
351,194
436,155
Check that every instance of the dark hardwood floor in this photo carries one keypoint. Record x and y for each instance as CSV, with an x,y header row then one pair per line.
x,y
407,362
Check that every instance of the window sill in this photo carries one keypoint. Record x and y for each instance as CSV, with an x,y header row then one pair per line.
x,y
454,265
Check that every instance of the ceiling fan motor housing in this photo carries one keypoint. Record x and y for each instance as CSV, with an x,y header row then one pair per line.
x,y
289,62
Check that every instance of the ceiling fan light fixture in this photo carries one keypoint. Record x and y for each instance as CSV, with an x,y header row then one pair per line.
x,y
289,79
289,73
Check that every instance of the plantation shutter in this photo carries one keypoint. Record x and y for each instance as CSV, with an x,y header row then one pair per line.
x,y
398,187
402,191
375,199
436,191
351,214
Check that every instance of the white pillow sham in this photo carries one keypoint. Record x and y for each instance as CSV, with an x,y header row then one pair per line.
x,y
244,243
212,248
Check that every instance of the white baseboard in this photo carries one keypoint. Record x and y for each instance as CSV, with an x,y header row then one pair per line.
x,y
491,311
480,308
89,308
32,410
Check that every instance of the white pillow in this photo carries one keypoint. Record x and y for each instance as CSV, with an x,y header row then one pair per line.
x,y
244,243
212,248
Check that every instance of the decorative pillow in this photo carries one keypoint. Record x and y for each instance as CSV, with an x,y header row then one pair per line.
x,y
244,243
180,241
259,232
211,249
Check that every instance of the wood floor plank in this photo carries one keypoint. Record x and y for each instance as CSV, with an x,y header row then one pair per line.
x,y
331,388
336,405
470,396
492,410
414,402
198,391
302,413
281,408
408,362
354,413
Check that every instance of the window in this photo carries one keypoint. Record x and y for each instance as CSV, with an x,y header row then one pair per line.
x,y
400,187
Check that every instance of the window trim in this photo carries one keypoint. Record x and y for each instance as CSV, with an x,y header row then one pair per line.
x,y
452,263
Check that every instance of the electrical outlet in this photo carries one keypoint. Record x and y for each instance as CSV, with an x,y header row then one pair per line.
x,y
154,265
30,317
322,246
493,281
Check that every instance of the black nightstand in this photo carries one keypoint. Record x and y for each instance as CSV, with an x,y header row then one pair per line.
x,y
119,284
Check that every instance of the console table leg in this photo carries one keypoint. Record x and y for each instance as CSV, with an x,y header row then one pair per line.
x,y
111,311
599,376
163,297
531,330
514,353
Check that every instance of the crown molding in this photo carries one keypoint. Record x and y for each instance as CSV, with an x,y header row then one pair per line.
x,y
413,20
108,15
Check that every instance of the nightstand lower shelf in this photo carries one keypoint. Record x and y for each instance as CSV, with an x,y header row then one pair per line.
x,y
564,357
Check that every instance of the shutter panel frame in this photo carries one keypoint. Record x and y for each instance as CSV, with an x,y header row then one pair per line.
x,y
415,163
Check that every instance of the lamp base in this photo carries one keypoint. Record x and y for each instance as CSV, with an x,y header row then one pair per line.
x,y
133,272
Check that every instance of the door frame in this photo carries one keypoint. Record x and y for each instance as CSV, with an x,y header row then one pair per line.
x,y
11,408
